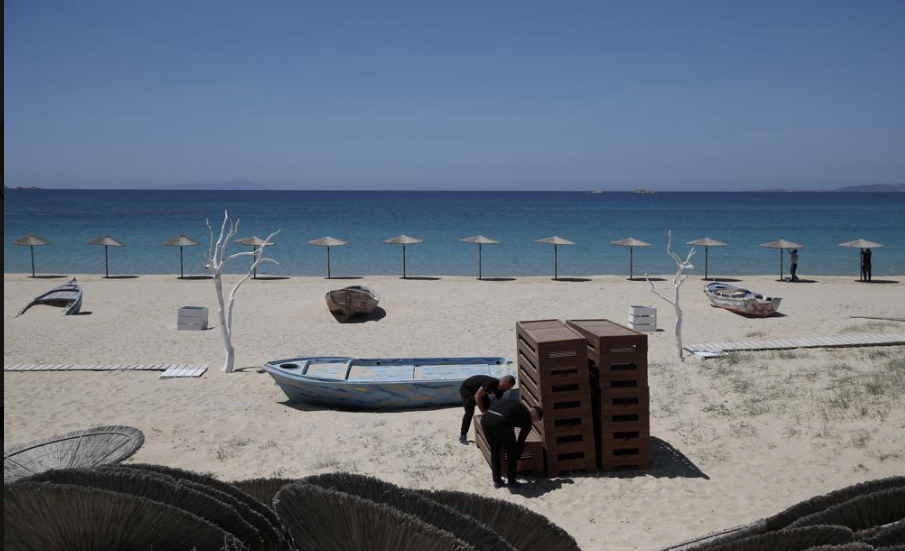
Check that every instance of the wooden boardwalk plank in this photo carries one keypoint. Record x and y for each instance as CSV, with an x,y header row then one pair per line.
x,y
802,342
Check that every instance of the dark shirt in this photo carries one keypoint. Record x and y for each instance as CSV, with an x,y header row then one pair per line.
x,y
865,258
516,414
476,382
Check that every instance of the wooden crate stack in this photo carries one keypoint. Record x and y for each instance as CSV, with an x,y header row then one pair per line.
x,y
532,459
617,360
192,318
553,374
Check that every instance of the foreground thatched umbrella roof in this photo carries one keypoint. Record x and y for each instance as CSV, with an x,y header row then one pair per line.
x,y
181,240
861,244
81,448
107,241
403,240
31,240
328,242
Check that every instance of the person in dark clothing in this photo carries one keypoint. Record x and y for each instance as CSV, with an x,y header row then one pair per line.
x,y
865,264
476,391
793,255
498,424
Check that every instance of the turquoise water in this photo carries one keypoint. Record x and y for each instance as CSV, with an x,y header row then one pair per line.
x,y
144,219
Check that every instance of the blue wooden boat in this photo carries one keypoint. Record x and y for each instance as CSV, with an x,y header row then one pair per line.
x,y
388,383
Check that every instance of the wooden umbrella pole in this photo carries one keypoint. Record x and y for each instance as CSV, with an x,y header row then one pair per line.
x,y
32,247
181,263
480,267
781,258
631,263
706,260
254,274
328,262
555,262
403,261
106,262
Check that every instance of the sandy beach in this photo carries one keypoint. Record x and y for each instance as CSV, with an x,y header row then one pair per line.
x,y
736,438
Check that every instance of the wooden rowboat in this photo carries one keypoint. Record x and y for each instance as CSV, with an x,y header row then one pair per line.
x,y
741,301
352,301
389,383
68,296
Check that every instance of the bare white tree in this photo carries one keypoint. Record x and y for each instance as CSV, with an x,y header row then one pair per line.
x,y
216,261
677,281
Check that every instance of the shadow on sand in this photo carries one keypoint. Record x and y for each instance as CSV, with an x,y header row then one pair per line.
x,y
646,278
48,276
572,279
270,278
377,315
878,281
722,279
194,277
121,277
421,278
343,277
497,279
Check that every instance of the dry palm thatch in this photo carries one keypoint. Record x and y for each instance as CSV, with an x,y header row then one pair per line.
x,y
865,511
466,528
719,537
878,536
854,546
255,513
162,489
82,448
263,489
788,539
897,547
819,503
328,520
523,529
52,517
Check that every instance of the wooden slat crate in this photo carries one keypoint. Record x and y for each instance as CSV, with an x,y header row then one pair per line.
x,y
549,343
609,342
627,402
532,459
627,455
566,458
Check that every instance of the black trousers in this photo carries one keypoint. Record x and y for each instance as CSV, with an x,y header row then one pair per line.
x,y
500,434
468,402
865,272
793,269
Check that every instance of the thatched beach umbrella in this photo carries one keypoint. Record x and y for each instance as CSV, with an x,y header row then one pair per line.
x,y
556,241
782,244
328,242
254,242
631,243
82,448
856,244
31,241
107,242
403,240
706,242
481,241
181,241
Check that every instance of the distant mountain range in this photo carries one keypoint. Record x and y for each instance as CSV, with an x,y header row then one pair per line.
x,y
231,185
874,187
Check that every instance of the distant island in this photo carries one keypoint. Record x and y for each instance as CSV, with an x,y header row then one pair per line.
x,y
874,188
231,185
642,191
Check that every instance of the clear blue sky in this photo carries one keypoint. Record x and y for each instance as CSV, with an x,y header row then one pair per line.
x,y
672,95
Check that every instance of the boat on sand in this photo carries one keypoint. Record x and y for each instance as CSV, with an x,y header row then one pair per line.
x,y
67,296
741,301
380,383
356,300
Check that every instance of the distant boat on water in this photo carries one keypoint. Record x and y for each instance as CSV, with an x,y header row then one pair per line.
x,y
642,191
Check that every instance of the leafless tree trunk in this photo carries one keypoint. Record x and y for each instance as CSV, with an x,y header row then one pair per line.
x,y
217,260
677,282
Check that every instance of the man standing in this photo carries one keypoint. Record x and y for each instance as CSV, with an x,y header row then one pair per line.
x,y
793,255
865,264
498,424
476,391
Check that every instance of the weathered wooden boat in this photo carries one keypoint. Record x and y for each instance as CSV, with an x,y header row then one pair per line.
x,y
389,383
67,296
741,301
351,301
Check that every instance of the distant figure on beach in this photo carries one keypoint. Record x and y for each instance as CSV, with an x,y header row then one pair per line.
x,y
793,254
476,391
498,424
865,264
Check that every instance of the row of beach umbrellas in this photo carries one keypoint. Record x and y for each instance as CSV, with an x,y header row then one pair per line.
x,y
255,242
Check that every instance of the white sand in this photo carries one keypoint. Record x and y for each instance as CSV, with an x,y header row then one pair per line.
x,y
766,430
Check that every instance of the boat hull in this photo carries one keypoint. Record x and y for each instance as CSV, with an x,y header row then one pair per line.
x,y
352,301
340,392
67,296
741,301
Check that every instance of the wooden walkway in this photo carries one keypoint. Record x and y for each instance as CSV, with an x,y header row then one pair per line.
x,y
170,371
808,342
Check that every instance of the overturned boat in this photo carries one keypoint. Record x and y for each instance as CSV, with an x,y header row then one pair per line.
x,y
67,296
741,301
386,383
356,300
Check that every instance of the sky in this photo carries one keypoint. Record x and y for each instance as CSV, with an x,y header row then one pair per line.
x,y
558,95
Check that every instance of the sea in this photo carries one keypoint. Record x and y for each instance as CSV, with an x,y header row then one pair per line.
x,y
144,219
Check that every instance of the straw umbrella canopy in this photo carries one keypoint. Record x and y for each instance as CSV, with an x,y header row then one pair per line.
x,y
556,241
861,244
481,241
107,242
782,244
403,240
181,241
254,242
31,241
706,242
631,243
328,242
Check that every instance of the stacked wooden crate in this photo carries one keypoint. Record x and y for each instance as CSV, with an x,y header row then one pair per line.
x,y
192,318
553,374
642,318
617,360
532,459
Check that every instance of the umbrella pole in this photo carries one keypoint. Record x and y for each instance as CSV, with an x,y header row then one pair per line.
x,y
403,261
480,267
106,262
254,274
631,262
781,258
32,247
328,263
555,262
706,261
181,264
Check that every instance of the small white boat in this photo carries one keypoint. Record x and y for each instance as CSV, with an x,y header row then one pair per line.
x,y
351,301
68,296
741,301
